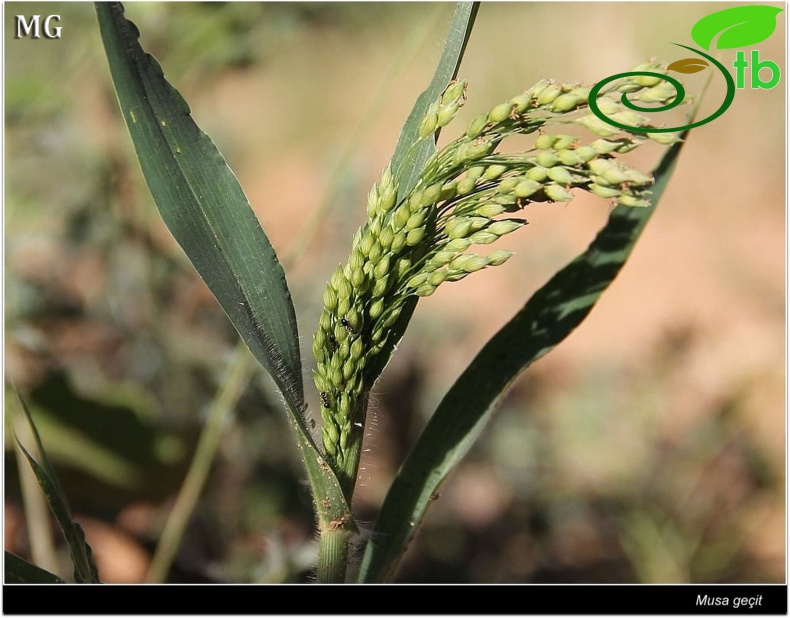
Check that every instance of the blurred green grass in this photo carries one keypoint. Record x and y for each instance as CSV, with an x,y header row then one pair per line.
x,y
649,447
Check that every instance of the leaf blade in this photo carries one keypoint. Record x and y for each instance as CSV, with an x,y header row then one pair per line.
x,y
203,205
210,217
545,320
85,571
408,160
20,571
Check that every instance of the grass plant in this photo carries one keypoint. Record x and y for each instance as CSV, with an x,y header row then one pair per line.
x,y
429,221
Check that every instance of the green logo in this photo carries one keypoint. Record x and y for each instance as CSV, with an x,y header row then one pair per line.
x,y
740,26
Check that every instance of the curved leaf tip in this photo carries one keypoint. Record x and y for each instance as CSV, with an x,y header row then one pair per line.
x,y
738,26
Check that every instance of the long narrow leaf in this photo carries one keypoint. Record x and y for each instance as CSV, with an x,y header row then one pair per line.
x,y
85,571
546,319
19,571
408,160
203,205
207,212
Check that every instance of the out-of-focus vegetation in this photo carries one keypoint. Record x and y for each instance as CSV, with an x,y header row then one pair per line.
x,y
649,447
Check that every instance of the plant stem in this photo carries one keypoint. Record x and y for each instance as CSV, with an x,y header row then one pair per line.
x,y
333,556
233,384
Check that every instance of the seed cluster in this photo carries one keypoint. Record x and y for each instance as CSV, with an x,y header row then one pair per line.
x,y
410,246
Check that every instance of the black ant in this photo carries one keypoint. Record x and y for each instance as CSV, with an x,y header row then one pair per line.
x,y
347,325
325,400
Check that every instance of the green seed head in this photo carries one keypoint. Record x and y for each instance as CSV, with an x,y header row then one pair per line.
x,y
401,215
455,92
608,172
665,139
458,245
489,209
500,228
631,200
375,253
603,190
449,191
415,282
556,193
609,106
604,146
646,80
475,172
569,157
441,258
468,263
373,202
398,242
585,153
458,228
380,287
414,237
630,118
425,290
566,102
428,124
330,298
483,237
416,220
545,141
597,126
527,187
383,267
343,304
560,175
402,268
446,114
565,141
500,113
521,102
366,244
637,178
497,258
465,186
537,173
508,184
494,171
436,278
476,127
386,236
431,194
547,158
325,321
376,308
548,94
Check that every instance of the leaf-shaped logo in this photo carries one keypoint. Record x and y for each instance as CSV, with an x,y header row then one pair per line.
x,y
688,65
739,26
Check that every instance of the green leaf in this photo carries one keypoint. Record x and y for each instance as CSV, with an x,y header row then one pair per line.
x,y
85,571
203,205
546,319
739,26
207,212
409,160
19,571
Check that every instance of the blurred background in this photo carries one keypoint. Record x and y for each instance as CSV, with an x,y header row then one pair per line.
x,y
649,447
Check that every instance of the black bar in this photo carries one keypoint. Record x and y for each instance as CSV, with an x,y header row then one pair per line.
x,y
404,599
